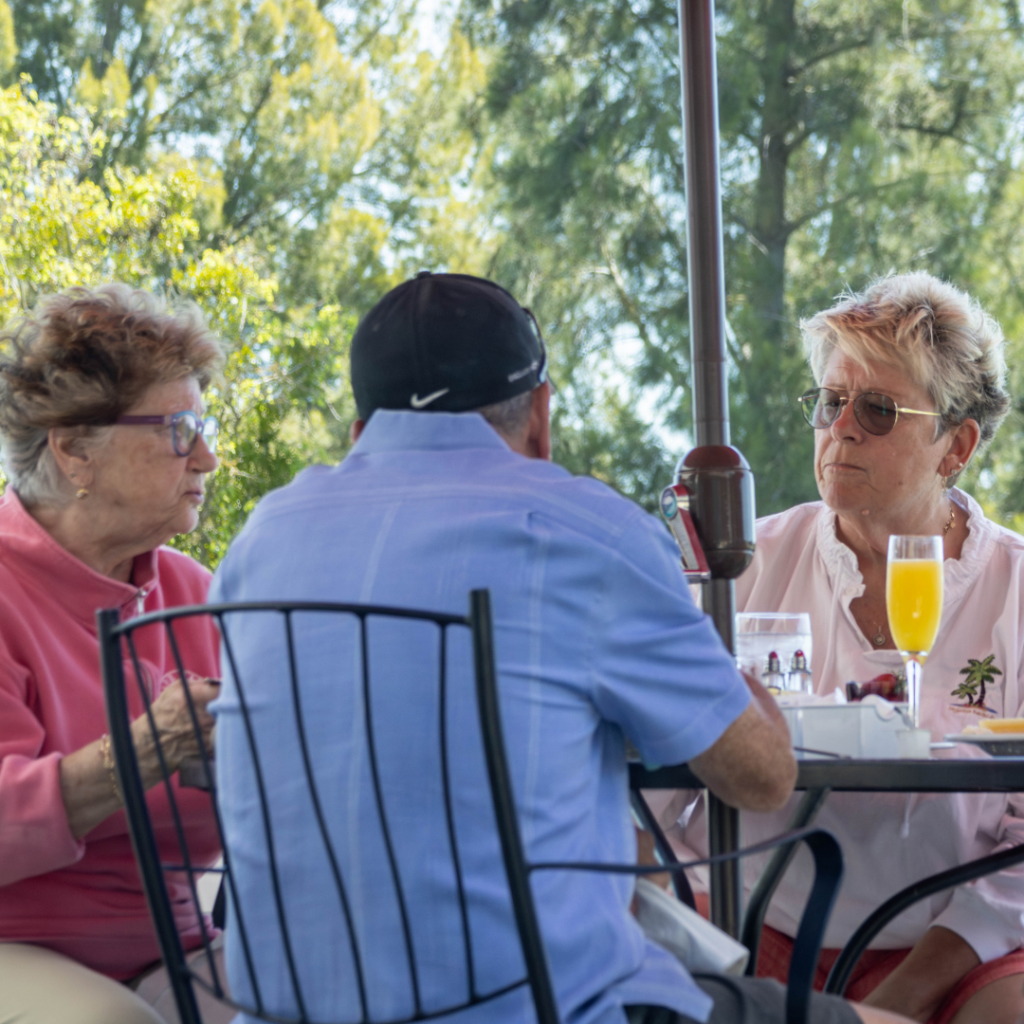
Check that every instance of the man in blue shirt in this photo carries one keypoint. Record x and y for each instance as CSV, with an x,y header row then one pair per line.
x,y
449,487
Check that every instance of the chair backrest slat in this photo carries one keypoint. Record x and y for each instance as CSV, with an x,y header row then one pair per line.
x,y
229,875
371,750
268,834
453,845
147,703
506,817
314,795
275,881
143,841
189,869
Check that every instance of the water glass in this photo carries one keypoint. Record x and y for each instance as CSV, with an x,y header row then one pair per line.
x,y
759,634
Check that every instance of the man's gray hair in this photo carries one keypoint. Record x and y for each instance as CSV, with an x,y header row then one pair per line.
x,y
509,418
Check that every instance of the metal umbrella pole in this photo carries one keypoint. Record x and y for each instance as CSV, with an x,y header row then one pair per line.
x,y
716,475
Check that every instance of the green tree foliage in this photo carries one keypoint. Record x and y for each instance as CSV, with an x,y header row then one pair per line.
x,y
8,50
58,227
281,163
319,130
345,155
857,138
286,161
283,401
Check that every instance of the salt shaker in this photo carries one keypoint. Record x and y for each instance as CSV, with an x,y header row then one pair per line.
x,y
773,679
800,675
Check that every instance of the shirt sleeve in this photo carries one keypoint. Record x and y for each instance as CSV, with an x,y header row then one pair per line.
x,y
660,671
991,930
988,914
35,837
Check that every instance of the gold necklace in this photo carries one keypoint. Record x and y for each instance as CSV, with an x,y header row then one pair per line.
x,y
879,638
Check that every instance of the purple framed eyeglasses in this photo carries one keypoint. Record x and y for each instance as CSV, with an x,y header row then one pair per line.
x,y
185,429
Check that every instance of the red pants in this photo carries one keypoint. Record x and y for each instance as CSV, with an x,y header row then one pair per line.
x,y
875,965
873,968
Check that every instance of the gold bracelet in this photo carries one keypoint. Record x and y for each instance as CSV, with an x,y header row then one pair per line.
x,y
108,763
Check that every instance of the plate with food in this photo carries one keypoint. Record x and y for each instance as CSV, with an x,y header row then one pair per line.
x,y
1000,737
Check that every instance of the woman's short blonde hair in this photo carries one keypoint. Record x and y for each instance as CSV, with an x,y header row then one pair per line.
x,y
82,358
938,335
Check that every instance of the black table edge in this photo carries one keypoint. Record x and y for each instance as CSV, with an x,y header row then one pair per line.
x,y
938,775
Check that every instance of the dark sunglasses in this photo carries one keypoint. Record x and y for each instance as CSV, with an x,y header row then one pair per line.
x,y
185,429
876,413
542,370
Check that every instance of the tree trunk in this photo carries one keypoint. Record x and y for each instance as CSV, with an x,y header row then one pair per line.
x,y
111,32
778,118
771,429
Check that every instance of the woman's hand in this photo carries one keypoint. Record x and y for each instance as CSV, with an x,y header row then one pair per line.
x,y
174,726
87,779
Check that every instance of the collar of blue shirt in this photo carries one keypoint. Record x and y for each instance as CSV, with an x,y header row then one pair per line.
x,y
400,430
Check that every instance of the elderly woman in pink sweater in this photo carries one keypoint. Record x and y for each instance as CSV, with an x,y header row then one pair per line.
x,y
106,452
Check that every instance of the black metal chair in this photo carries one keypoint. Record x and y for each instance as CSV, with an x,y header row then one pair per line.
x,y
842,969
753,920
115,636
761,895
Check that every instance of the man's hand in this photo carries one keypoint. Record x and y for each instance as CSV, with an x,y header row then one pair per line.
x,y
751,766
915,989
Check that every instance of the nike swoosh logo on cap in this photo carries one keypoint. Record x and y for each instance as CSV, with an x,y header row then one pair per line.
x,y
418,403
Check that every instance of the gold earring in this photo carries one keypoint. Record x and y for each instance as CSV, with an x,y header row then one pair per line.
x,y
82,492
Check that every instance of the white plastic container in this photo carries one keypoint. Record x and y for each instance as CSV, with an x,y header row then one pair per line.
x,y
866,729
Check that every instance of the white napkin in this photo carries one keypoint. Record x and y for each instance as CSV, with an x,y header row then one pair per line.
x,y
700,946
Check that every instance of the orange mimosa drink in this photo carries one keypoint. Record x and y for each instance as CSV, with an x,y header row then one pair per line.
x,y
913,601
913,596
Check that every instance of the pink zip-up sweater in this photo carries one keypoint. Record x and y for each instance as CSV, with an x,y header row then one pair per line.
x,y
83,897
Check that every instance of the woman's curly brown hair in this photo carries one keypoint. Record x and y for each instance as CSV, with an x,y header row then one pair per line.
x,y
82,358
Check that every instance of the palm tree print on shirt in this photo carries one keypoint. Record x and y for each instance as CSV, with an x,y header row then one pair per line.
x,y
977,674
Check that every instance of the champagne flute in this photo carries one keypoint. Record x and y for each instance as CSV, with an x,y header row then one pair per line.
x,y
913,599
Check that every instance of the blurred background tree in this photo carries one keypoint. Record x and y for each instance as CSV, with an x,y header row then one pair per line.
x,y
279,167
284,392
858,138
284,162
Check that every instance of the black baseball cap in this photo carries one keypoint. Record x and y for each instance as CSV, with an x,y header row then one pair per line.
x,y
445,343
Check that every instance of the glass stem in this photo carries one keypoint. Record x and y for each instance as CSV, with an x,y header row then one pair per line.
x,y
914,692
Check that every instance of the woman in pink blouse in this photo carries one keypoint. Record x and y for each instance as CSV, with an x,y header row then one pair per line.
x,y
910,379
106,453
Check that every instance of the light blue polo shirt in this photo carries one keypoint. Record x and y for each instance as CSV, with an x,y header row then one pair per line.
x,y
597,640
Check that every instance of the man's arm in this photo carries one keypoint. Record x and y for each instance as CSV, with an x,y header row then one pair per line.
x,y
751,766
